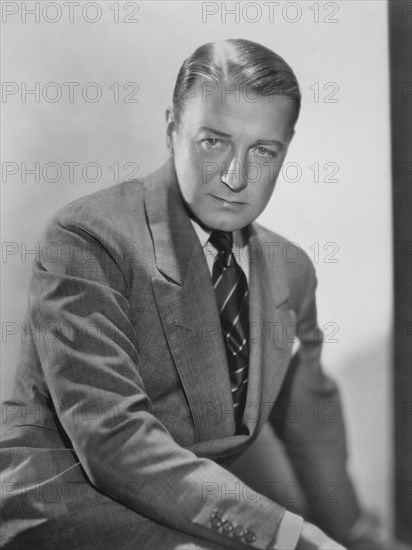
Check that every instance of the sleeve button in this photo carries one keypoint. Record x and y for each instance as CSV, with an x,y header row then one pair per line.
x,y
238,532
227,527
250,536
216,522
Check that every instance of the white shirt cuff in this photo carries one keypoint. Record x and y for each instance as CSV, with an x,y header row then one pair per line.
x,y
289,532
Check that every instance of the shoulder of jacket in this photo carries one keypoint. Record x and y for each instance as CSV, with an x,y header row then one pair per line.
x,y
110,205
292,254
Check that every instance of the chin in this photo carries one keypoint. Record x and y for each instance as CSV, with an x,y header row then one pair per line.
x,y
226,224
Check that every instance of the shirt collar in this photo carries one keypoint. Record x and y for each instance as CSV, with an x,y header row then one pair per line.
x,y
239,238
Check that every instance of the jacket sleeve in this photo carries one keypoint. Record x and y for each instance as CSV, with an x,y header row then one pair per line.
x,y
315,435
88,351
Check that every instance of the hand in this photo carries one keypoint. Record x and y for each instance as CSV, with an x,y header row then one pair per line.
x,y
312,538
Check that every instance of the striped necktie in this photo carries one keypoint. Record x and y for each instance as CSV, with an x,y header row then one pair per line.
x,y
231,289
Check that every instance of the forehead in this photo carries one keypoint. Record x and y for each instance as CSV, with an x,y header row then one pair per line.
x,y
231,109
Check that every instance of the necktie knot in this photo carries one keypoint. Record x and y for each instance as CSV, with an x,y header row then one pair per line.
x,y
223,242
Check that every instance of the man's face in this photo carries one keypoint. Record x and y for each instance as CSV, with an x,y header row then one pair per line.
x,y
228,152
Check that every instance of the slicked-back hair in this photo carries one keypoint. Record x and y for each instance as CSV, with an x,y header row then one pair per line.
x,y
247,65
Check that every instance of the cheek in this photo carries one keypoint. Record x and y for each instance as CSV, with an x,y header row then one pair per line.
x,y
189,173
264,186
188,160
260,202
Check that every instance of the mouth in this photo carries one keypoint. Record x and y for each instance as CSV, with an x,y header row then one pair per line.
x,y
225,203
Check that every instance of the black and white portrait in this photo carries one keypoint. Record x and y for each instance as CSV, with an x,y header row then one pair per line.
x,y
206,258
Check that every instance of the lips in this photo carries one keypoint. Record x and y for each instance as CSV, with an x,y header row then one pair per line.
x,y
227,201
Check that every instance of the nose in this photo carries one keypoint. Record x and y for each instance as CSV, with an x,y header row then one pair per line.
x,y
233,173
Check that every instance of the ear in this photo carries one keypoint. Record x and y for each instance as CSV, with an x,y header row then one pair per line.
x,y
170,127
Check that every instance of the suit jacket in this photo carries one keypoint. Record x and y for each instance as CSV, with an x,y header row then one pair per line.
x,y
124,363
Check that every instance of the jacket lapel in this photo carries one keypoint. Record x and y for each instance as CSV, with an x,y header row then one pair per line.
x,y
269,349
187,307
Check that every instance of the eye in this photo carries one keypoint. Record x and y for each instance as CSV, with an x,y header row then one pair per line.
x,y
210,141
264,152
213,144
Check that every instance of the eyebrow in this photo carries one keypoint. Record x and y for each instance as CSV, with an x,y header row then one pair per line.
x,y
258,142
217,132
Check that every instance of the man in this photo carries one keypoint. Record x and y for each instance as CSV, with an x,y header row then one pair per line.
x,y
141,379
